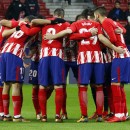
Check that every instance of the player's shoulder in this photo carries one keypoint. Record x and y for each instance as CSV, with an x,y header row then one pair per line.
x,y
108,20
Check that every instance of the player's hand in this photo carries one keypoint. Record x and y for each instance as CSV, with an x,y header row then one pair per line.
x,y
94,31
21,23
48,36
118,30
119,50
57,20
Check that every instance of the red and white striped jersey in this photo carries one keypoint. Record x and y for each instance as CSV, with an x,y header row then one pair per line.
x,y
16,42
89,50
53,47
90,57
2,28
47,51
70,50
107,55
109,26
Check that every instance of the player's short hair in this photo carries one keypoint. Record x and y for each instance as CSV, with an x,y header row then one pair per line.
x,y
101,10
30,17
117,1
85,13
80,16
59,12
91,14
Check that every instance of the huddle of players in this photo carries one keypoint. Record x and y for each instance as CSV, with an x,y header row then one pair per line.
x,y
52,71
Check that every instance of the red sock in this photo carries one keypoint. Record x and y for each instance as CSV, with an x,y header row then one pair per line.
x,y
42,96
16,105
21,98
83,99
1,100
116,93
123,102
35,100
49,92
99,100
64,101
110,100
58,100
6,102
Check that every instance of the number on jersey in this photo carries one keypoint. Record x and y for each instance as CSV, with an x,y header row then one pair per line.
x,y
87,42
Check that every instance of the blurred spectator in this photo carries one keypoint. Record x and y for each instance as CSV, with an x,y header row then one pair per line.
x,y
127,12
127,35
116,13
32,7
69,2
15,10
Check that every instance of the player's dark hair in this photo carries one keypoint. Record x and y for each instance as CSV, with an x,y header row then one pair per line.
x,y
101,10
78,17
85,13
117,1
59,12
91,14
30,17
128,3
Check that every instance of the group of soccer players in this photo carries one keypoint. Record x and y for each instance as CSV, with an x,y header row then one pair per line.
x,y
93,46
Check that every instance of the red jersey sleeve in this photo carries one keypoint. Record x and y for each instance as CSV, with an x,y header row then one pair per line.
x,y
30,31
123,29
14,23
110,31
73,27
78,36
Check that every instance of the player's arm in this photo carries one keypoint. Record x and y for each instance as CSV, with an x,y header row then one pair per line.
x,y
107,43
110,32
30,31
40,21
9,23
85,35
37,22
120,29
7,33
63,33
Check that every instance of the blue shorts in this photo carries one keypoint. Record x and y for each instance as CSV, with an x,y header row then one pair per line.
x,y
33,73
11,68
1,84
107,77
73,66
51,71
120,72
90,71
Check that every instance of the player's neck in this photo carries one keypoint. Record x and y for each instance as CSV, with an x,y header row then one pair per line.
x,y
102,19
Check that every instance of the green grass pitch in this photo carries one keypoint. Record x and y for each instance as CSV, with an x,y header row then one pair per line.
x,y
73,114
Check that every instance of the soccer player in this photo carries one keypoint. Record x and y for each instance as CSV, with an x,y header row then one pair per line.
x,y
51,66
12,54
5,24
90,62
120,72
